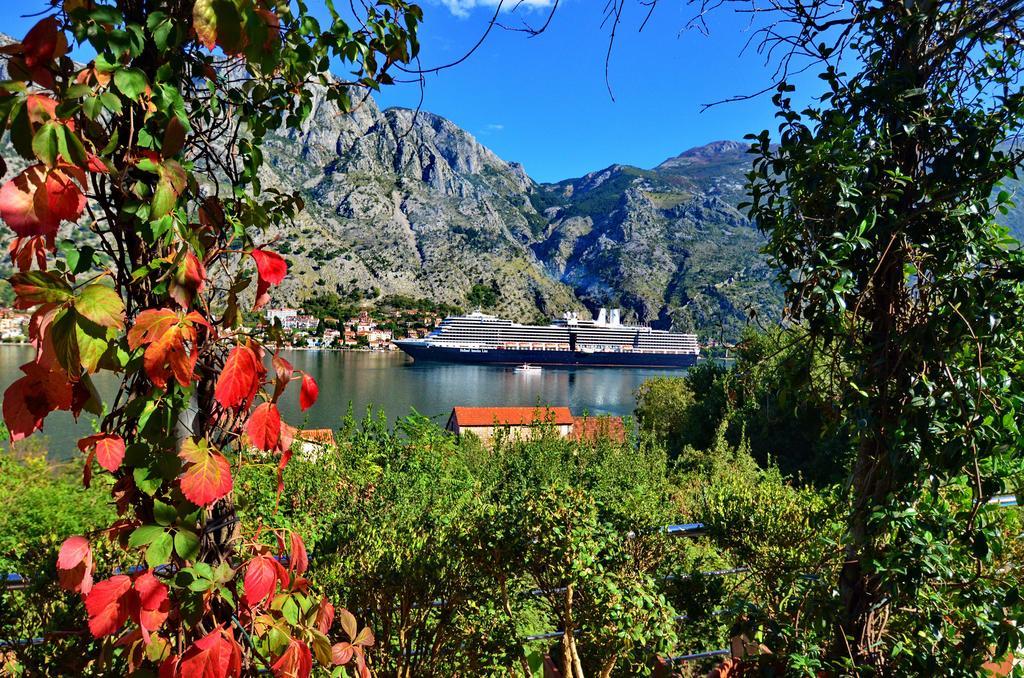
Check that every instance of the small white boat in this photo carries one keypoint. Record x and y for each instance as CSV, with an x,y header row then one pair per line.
x,y
528,369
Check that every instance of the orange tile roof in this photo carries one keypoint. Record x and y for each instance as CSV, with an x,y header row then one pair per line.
x,y
592,428
317,435
511,416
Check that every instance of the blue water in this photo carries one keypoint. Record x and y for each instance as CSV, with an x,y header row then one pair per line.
x,y
392,382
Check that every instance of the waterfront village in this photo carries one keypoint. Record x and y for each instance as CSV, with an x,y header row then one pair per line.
x,y
369,329
373,329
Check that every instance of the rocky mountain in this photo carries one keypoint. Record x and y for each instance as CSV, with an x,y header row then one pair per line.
x,y
668,244
409,203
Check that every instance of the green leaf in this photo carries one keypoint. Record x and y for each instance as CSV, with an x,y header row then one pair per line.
x,y
102,305
186,544
159,551
131,81
111,102
147,480
173,180
64,336
164,514
290,611
44,143
144,534
79,257
93,342
71,149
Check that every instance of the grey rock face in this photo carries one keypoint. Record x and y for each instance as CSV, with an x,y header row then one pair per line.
x,y
408,203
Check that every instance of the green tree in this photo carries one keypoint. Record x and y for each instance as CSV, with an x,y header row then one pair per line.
x,y
482,296
880,206
778,398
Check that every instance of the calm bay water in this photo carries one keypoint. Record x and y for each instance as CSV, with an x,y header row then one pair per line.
x,y
392,382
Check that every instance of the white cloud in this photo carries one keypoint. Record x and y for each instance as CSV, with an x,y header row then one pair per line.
x,y
464,7
495,127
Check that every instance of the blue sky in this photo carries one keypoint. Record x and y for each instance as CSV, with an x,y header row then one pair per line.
x,y
542,101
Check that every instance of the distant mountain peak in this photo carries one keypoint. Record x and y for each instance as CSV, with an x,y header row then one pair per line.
x,y
716,150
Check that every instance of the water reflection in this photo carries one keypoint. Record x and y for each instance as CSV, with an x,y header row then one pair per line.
x,y
394,383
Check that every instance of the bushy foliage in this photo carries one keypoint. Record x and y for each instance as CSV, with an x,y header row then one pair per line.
x,y
45,503
778,397
463,535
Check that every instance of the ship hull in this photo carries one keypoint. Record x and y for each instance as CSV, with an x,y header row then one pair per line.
x,y
490,356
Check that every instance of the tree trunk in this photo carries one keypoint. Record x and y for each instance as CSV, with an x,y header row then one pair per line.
x,y
875,470
567,633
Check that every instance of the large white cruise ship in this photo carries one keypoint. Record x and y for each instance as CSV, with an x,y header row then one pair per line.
x,y
602,342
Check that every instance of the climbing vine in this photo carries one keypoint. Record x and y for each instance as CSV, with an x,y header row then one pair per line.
x,y
141,233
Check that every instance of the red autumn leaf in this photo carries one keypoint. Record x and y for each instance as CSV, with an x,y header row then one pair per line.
x,y
295,662
169,667
341,653
23,412
40,108
153,606
109,449
29,399
348,623
286,456
207,476
239,380
216,655
298,560
270,266
264,427
324,616
283,370
74,565
24,250
96,164
39,199
188,281
73,551
273,27
40,43
261,574
149,325
108,605
309,392
271,269
166,334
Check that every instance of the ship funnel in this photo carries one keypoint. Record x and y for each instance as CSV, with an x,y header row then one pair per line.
x,y
602,316
615,319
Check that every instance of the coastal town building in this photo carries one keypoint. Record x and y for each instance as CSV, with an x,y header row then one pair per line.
x,y
282,314
314,441
524,422
291,319
520,422
13,325
379,339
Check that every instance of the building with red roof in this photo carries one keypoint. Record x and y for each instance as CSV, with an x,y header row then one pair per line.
x,y
522,422
592,428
